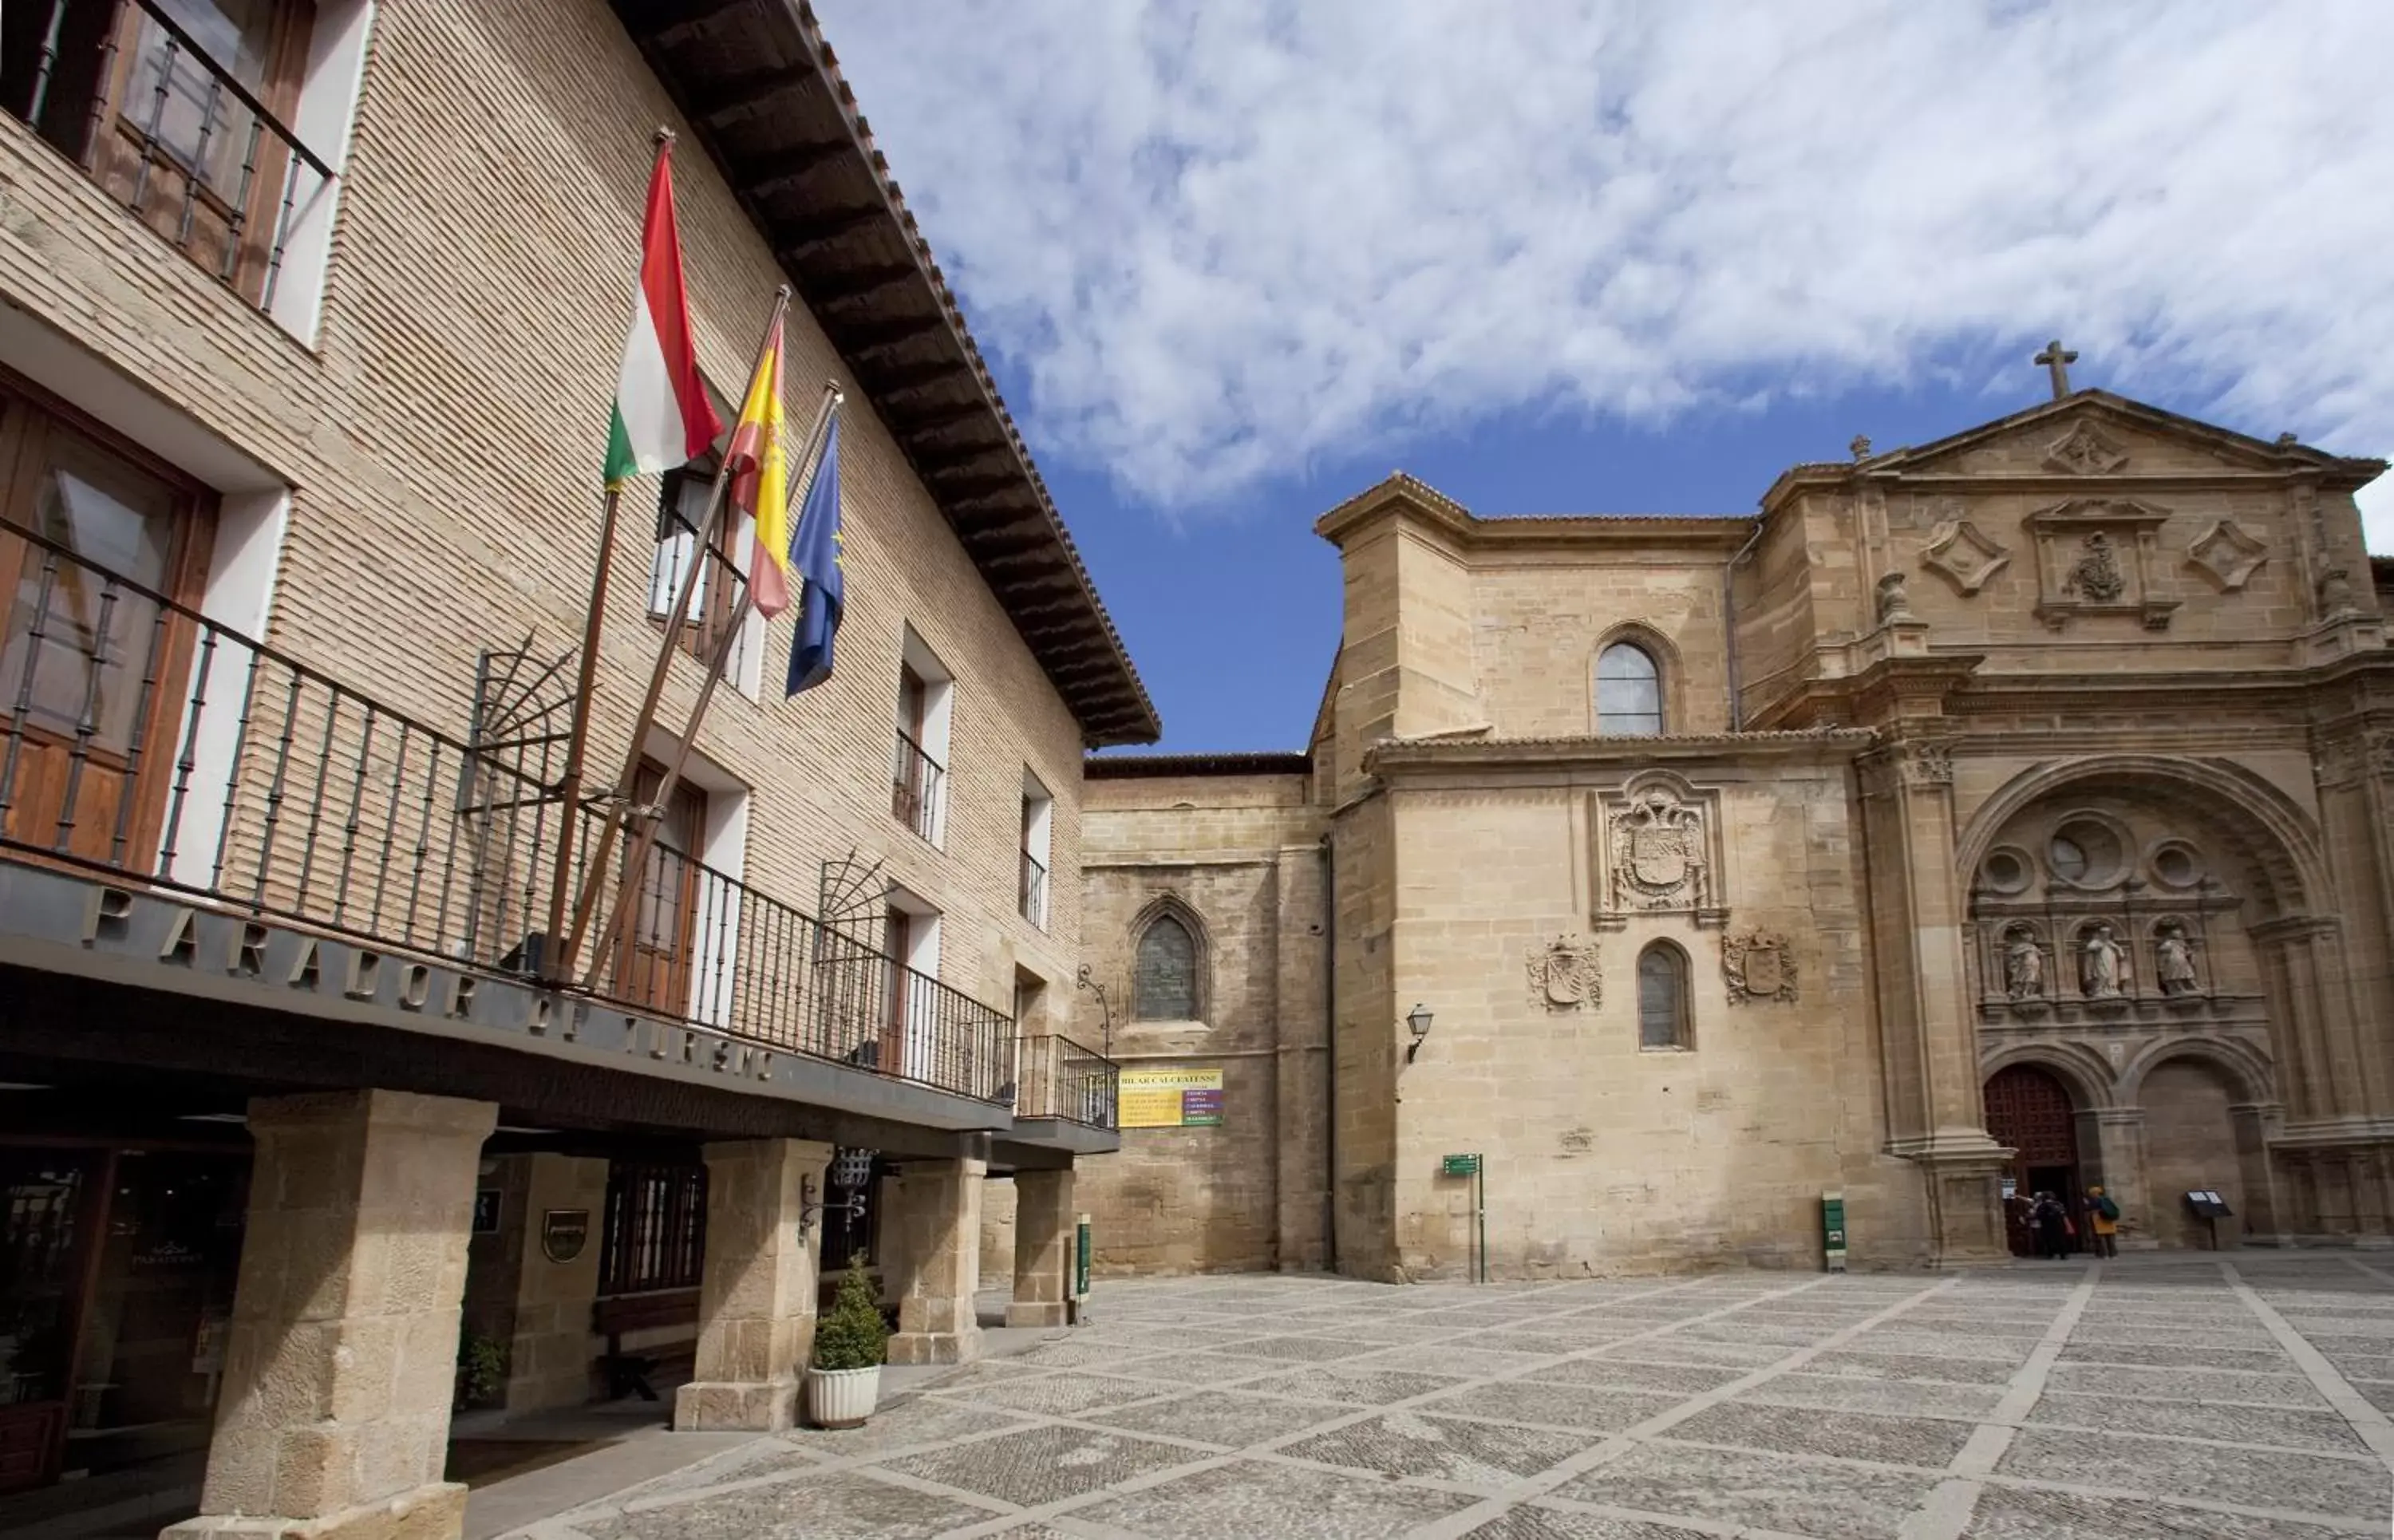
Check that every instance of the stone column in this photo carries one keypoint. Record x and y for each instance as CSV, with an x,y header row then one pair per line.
x,y
2255,1123
551,1353
937,1206
1930,1038
757,1292
341,1363
2118,1163
1043,1236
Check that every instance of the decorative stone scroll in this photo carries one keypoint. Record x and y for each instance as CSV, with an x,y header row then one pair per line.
x,y
2099,556
1961,553
1662,851
2086,449
1759,966
1566,975
2229,555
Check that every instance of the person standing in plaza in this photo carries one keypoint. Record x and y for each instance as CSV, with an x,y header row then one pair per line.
x,y
2103,1223
2052,1222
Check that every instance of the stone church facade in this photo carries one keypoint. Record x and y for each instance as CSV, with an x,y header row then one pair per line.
x,y
2004,814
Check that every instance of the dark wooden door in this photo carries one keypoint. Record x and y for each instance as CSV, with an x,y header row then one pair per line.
x,y
47,1229
91,669
2030,1110
654,959
896,942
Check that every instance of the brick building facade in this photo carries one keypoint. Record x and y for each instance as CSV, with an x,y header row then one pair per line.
x,y
310,313
2000,815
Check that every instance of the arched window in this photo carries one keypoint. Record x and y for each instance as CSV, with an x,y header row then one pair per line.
x,y
1163,983
1628,692
1663,998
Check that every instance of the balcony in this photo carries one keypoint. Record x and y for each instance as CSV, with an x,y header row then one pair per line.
x,y
915,788
1033,894
1067,1096
145,745
169,129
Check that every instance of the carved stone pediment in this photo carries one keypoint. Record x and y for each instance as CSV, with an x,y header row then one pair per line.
x,y
2229,555
2100,557
1759,966
1661,850
1963,555
2086,449
1566,975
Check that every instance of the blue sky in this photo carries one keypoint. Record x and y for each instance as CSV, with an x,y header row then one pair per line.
x,y
1235,262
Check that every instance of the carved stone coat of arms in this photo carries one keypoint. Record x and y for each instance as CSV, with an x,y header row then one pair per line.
x,y
1564,974
1760,967
1659,853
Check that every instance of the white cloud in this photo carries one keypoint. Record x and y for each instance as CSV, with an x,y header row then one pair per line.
x,y
1226,239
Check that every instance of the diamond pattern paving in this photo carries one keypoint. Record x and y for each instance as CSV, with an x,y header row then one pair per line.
x,y
2169,1408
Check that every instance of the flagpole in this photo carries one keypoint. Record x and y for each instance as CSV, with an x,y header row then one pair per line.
x,y
718,659
577,735
594,874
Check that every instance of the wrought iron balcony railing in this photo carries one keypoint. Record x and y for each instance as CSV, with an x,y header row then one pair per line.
x,y
1062,1079
169,129
142,740
1033,896
914,788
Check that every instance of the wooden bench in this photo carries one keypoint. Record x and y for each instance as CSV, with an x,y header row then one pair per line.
x,y
618,1316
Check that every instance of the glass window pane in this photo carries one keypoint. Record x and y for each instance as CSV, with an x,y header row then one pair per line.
x,y
1660,1000
94,635
1166,983
1628,692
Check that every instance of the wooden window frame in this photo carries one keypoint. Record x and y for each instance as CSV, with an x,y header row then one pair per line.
x,y
27,416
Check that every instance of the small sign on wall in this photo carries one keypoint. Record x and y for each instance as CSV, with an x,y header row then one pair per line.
x,y
563,1233
1171,1098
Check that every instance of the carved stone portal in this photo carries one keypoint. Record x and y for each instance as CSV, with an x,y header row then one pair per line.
x,y
2229,555
1759,966
1960,552
1565,974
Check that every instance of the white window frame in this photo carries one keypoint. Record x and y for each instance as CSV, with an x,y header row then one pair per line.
x,y
723,846
918,1052
325,121
1038,842
939,713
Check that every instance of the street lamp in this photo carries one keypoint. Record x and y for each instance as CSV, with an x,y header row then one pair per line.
x,y
1419,1021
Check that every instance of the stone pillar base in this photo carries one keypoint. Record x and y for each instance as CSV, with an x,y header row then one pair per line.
x,y
1024,1312
936,1346
436,1511
705,1406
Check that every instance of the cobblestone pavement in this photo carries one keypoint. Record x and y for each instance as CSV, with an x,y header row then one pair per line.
x,y
2182,1396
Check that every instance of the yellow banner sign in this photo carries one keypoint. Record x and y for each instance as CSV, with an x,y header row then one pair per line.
x,y
1171,1098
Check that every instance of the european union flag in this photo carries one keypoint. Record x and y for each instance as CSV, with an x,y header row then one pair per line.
x,y
815,556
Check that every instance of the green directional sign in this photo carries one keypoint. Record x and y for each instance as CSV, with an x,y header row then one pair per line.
x,y
1459,1165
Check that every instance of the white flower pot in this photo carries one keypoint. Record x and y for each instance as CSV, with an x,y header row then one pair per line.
x,y
842,1398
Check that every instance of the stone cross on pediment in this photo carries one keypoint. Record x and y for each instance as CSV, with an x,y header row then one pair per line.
x,y
2058,360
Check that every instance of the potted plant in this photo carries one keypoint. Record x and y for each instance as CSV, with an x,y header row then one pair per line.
x,y
482,1369
843,1381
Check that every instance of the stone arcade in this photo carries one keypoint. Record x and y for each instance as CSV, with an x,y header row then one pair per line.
x,y
2001,814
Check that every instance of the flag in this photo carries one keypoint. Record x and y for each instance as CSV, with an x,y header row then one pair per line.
x,y
662,416
815,553
759,467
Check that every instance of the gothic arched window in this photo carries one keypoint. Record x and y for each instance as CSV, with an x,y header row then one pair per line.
x,y
1164,982
1663,998
1628,692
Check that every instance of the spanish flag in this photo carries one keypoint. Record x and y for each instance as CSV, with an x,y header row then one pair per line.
x,y
760,481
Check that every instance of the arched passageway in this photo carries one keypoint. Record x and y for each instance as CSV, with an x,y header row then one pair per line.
x,y
2029,1111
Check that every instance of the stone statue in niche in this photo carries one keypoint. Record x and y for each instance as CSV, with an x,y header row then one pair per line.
x,y
2096,574
1893,602
2336,593
2023,968
1565,975
2104,965
2174,961
1758,967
